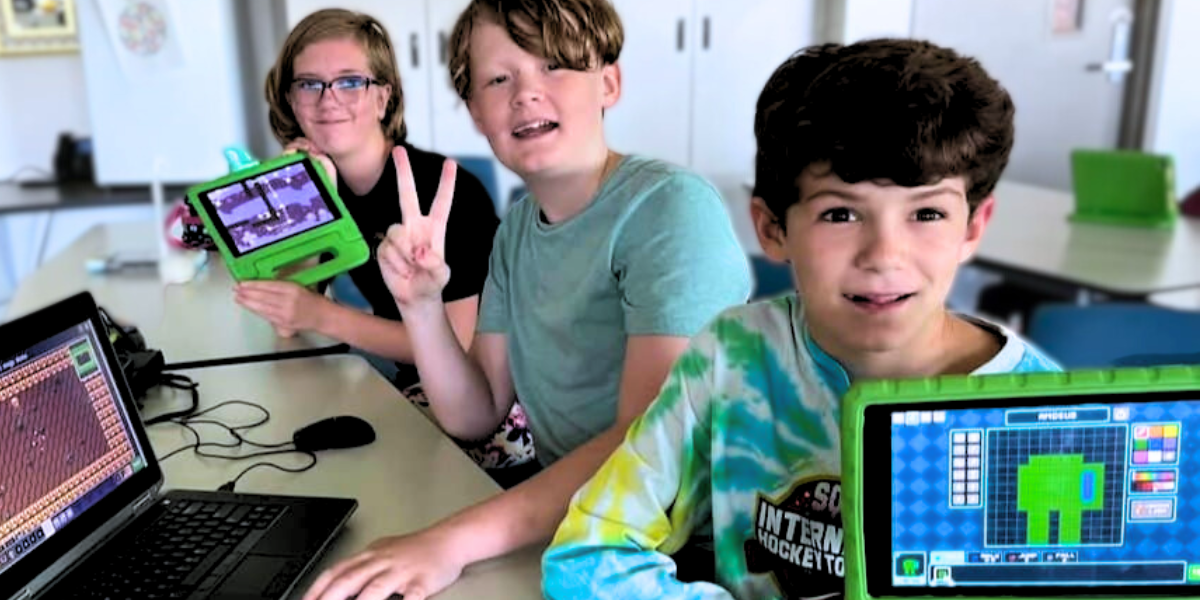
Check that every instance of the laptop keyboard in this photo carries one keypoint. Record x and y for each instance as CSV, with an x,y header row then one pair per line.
x,y
185,553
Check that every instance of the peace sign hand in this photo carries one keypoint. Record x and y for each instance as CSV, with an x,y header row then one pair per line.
x,y
412,256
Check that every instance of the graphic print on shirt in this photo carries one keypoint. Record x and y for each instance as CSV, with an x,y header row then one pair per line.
x,y
798,539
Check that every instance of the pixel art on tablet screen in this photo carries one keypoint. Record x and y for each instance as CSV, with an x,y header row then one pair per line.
x,y
1084,495
269,208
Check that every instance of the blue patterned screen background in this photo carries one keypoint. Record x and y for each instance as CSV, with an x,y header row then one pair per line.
x,y
929,516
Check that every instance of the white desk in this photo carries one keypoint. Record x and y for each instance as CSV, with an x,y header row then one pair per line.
x,y
1181,300
411,476
53,212
1031,238
193,321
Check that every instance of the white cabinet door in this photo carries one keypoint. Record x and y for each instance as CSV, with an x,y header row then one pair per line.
x,y
740,45
405,22
1046,74
653,115
454,133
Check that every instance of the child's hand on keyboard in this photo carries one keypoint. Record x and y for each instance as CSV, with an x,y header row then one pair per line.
x,y
413,567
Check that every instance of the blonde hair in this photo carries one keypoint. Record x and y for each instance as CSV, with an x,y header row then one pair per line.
x,y
332,24
573,33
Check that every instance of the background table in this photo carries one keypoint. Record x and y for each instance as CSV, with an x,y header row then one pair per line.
x,y
1031,239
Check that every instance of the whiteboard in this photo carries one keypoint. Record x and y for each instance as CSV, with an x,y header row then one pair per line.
x,y
182,112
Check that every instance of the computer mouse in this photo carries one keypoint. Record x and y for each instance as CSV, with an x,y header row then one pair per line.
x,y
335,432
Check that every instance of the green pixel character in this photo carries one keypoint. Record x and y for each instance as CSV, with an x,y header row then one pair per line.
x,y
1060,483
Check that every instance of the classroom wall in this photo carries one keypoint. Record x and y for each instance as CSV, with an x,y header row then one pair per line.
x,y
40,97
846,21
1174,116
867,19
168,115
44,95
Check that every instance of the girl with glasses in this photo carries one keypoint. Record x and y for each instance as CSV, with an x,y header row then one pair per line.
x,y
335,93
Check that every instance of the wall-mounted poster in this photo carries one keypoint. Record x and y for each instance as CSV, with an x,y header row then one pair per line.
x,y
37,26
143,35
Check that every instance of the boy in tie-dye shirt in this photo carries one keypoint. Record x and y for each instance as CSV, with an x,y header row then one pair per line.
x,y
874,175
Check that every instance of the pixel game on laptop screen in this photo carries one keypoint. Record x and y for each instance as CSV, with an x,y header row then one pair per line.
x,y
1089,495
269,208
66,443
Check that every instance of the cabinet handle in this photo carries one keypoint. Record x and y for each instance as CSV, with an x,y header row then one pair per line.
x,y
679,35
415,48
707,27
442,47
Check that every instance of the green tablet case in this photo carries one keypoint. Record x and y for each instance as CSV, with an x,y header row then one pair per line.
x,y
1119,187
338,241
957,388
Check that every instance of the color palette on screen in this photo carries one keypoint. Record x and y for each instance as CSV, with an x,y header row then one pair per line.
x,y
1155,444
1152,482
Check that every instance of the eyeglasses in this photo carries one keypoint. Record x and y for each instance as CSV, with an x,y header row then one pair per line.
x,y
345,90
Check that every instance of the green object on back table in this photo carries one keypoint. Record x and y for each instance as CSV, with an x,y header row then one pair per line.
x,y
1121,187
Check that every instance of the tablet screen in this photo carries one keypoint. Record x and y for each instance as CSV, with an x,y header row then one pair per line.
x,y
1086,494
270,207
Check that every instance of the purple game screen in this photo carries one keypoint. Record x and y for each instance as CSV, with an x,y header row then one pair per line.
x,y
1076,495
269,208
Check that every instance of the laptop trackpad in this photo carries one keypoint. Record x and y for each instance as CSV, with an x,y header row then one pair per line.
x,y
301,531
260,577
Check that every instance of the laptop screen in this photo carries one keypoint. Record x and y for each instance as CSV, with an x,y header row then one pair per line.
x,y
67,440
1078,492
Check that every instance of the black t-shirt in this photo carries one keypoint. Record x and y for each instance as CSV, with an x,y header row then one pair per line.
x,y
469,231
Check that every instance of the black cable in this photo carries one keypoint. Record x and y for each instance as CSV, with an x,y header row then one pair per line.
x,y
253,358
234,431
178,382
198,444
229,485
191,446
189,417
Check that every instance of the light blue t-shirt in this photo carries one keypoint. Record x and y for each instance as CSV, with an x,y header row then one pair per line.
x,y
653,254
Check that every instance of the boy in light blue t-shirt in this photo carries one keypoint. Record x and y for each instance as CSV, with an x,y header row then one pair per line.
x,y
596,281
875,169
652,255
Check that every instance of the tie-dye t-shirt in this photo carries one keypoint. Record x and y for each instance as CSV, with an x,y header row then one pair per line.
x,y
746,424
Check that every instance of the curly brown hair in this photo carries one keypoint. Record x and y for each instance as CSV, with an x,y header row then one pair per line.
x,y
573,33
907,111
327,24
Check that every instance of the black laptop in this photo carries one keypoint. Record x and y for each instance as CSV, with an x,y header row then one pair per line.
x,y
81,512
